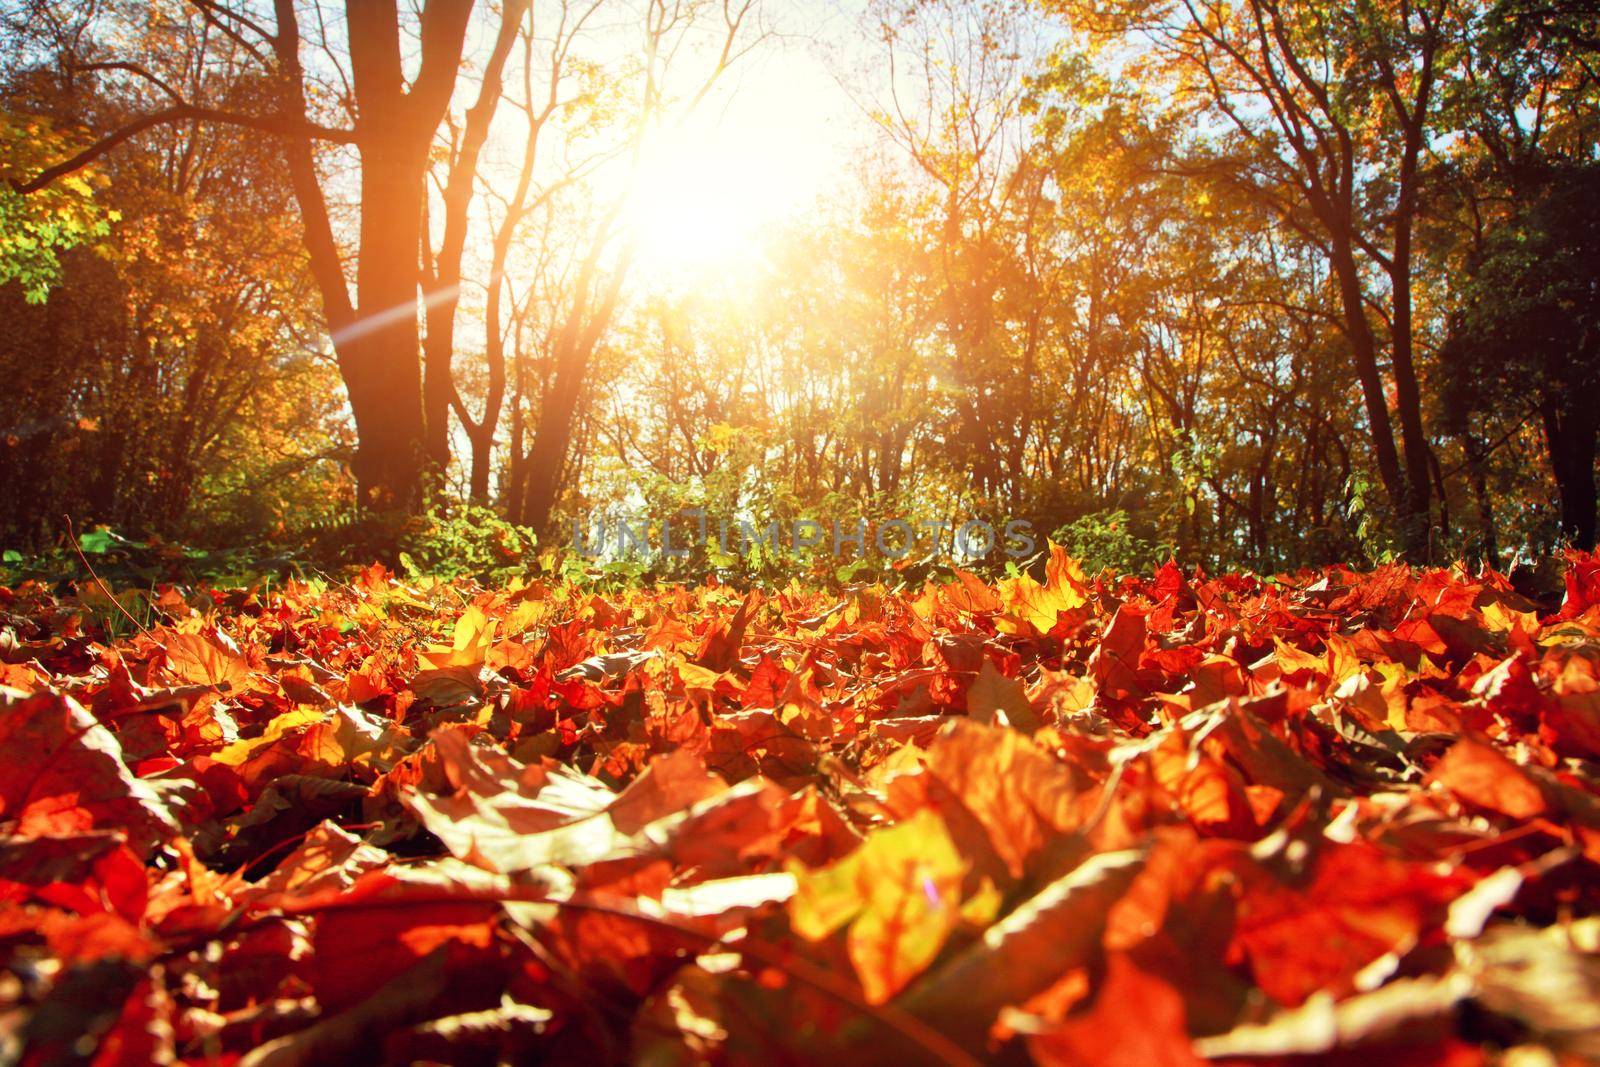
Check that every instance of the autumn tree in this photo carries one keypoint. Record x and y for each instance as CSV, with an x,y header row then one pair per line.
x,y
1328,112
1526,94
175,358
388,119
953,105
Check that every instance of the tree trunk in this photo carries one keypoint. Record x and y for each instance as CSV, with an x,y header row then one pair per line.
x,y
376,337
379,353
1572,437
1408,397
552,437
481,433
1364,354
439,391
1477,475
586,322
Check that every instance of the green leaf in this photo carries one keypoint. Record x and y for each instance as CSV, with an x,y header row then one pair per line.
x,y
97,541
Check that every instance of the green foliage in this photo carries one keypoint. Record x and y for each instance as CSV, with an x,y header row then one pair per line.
x,y
1531,314
135,567
1106,539
1370,519
37,226
454,540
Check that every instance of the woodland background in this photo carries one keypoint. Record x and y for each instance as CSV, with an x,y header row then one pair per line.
x,y
1255,283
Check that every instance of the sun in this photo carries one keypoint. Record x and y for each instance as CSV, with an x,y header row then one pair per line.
x,y
698,203
710,189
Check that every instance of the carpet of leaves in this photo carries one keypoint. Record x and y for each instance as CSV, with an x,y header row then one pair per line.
x,y
1146,821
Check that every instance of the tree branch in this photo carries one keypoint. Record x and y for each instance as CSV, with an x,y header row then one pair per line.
x,y
180,113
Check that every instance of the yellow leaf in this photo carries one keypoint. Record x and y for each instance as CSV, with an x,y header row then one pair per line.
x,y
523,616
983,907
1503,618
901,894
1029,604
721,437
194,660
474,633
695,676
240,751
1292,659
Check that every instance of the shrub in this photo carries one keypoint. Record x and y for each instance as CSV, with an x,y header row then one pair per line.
x,y
1105,539
454,540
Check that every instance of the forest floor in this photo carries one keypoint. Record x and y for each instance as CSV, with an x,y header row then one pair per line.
x,y
1140,820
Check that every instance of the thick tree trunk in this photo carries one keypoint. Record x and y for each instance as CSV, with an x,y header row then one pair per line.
x,y
548,456
378,354
1408,396
1572,437
1364,355
376,337
482,454
438,383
